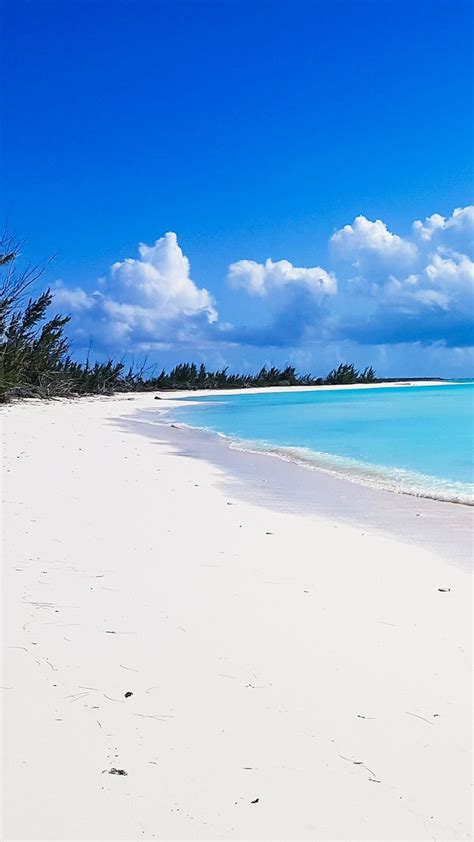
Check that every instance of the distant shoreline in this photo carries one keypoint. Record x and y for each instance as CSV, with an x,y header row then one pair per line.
x,y
170,394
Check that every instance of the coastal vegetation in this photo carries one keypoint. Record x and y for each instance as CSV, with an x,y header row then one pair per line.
x,y
35,359
189,376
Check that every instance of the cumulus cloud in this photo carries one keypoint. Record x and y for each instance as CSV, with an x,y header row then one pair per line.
x,y
390,288
287,301
365,241
445,283
395,289
460,223
430,226
160,283
265,278
454,276
415,289
73,300
144,302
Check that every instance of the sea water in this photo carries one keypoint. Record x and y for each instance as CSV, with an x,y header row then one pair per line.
x,y
413,439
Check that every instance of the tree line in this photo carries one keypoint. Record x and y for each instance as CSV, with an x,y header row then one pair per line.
x,y
190,376
35,360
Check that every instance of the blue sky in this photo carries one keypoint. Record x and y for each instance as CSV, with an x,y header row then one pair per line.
x,y
254,131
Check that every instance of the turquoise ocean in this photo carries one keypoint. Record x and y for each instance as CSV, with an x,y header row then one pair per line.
x,y
413,439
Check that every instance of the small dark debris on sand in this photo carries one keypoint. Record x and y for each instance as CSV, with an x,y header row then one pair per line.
x,y
128,694
444,590
115,771
255,801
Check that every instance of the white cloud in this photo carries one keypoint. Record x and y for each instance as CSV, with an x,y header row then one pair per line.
x,y
287,301
72,300
459,225
446,281
364,241
146,301
160,283
417,289
432,223
264,278
406,289
388,287
454,277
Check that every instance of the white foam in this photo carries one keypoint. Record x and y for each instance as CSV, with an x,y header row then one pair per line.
x,y
398,480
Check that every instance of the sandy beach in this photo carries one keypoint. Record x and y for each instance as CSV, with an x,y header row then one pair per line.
x,y
253,671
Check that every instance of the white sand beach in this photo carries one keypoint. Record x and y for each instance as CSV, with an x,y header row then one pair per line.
x,y
258,674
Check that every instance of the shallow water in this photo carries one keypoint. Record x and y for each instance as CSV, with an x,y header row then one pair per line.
x,y
415,439
283,485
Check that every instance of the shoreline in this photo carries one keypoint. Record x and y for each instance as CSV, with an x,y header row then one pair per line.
x,y
349,470
293,675
377,476
255,390
384,384
289,486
